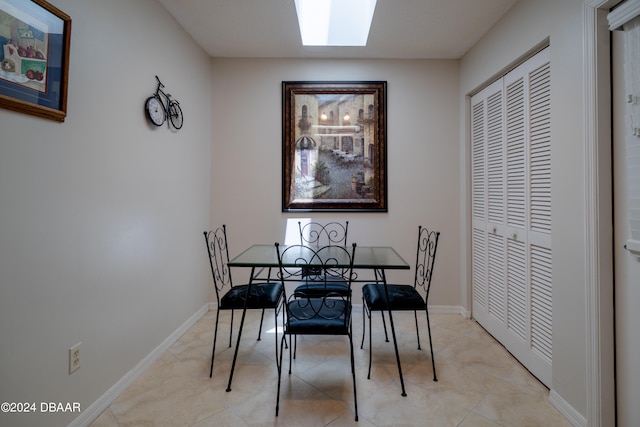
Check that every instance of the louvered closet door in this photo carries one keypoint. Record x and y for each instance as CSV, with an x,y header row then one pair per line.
x,y
488,202
539,218
511,202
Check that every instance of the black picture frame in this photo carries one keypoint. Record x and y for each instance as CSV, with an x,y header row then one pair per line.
x,y
34,58
334,146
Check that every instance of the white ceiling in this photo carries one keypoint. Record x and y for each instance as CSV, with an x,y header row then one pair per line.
x,y
443,29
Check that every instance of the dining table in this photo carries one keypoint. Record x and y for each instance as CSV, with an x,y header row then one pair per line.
x,y
262,258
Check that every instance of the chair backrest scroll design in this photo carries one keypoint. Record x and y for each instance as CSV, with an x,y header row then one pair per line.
x,y
317,235
218,259
425,257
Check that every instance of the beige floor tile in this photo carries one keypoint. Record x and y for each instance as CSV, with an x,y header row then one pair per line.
x,y
458,382
224,418
165,395
475,420
511,405
425,407
479,382
483,353
106,419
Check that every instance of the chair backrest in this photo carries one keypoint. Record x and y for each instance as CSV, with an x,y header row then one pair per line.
x,y
297,260
425,257
317,235
219,258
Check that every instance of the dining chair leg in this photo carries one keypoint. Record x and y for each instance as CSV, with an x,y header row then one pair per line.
x,y
231,328
215,337
284,340
353,374
262,315
384,326
294,344
364,322
415,315
381,278
260,328
280,373
370,347
275,317
433,360
284,319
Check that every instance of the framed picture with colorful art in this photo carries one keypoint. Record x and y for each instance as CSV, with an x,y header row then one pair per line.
x,y
334,146
34,58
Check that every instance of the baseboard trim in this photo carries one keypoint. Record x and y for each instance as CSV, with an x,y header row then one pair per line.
x,y
103,402
449,309
574,417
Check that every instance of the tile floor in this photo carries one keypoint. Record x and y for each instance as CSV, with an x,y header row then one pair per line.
x,y
479,382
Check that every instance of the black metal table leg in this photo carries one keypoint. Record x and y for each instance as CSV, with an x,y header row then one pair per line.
x,y
393,331
244,313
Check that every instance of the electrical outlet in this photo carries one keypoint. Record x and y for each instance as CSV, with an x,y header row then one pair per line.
x,y
74,358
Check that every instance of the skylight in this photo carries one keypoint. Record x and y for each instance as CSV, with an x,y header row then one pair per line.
x,y
335,22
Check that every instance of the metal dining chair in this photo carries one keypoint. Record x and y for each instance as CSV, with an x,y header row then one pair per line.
x,y
317,280
250,296
403,297
308,314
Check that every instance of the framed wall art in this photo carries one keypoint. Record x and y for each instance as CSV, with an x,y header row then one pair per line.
x,y
334,146
34,58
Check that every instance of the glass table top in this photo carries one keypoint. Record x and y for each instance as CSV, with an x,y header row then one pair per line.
x,y
373,257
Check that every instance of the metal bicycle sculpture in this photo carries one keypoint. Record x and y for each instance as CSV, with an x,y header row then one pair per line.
x,y
160,107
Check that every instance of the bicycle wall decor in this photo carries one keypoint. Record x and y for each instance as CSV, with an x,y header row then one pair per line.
x,y
160,107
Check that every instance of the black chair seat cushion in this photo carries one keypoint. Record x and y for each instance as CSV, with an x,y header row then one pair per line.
x,y
401,297
319,289
261,295
318,316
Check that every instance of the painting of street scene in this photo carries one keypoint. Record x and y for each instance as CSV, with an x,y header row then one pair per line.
x,y
336,151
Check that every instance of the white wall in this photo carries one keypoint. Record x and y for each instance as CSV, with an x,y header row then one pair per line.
x,y
422,152
528,24
101,217
627,265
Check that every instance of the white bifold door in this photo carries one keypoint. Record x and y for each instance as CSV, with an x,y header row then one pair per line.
x,y
511,213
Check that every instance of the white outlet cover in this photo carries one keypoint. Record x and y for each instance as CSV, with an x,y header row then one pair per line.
x,y
74,358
